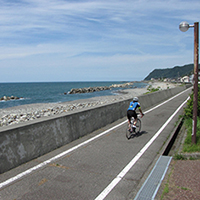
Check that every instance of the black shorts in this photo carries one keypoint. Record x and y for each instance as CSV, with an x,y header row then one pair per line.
x,y
131,113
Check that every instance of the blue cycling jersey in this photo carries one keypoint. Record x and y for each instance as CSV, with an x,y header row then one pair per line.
x,y
134,105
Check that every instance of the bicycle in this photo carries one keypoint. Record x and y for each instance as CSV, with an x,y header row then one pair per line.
x,y
131,133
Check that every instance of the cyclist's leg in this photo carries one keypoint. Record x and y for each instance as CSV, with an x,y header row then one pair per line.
x,y
135,119
129,119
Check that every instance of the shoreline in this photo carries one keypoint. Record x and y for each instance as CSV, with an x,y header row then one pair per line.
x,y
18,114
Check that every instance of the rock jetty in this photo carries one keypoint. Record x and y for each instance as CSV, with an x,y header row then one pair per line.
x,y
88,90
97,89
5,98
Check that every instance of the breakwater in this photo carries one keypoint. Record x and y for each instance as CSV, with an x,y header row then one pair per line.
x,y
26,141
6,98
97,89
54,92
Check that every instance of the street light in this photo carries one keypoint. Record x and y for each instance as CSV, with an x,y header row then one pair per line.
x,y
184,26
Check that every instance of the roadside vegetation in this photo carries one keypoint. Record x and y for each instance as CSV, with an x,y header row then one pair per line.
x,y
188,146
151,89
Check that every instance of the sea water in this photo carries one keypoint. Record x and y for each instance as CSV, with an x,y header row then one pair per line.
x,y
53,92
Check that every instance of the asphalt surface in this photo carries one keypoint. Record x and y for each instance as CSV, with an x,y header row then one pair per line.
x,y
96,168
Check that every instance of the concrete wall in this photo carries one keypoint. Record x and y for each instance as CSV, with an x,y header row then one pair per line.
x,y
23,142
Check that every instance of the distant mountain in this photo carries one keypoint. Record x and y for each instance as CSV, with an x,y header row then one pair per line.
x,y
173,73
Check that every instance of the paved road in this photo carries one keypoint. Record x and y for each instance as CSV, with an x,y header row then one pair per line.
x,y
101,165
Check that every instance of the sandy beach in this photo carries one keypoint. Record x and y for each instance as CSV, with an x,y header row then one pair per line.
x,y
18,114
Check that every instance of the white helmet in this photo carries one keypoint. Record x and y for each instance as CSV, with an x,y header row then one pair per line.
x,y
135,99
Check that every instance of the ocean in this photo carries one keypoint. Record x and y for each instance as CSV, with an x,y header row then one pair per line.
x,y
53,92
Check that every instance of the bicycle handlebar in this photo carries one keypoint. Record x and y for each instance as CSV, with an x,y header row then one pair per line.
x,y
139,114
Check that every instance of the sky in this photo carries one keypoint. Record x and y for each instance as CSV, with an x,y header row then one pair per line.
x,y
93,40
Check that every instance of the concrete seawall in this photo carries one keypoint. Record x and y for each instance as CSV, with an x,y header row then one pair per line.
x,y
23,142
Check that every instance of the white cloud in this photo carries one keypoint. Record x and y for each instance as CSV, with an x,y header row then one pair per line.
x,y
111,36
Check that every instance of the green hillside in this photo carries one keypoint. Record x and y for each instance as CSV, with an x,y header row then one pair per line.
x,y
173,73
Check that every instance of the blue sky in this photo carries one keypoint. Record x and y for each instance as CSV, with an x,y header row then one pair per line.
x,y
99,40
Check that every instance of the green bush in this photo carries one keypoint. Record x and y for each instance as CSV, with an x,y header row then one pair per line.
x,y
189,108
179,157
188,146
150,89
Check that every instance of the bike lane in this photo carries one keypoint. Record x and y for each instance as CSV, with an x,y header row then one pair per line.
x,y
87,170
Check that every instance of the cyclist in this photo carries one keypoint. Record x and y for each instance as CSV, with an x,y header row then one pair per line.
x,y
131,112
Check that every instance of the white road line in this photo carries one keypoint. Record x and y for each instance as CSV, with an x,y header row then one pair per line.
x,y
9,181
119,177
167,100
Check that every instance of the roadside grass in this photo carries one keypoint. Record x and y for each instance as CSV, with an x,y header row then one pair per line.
x,y
188,146
166,188
184,188
179,157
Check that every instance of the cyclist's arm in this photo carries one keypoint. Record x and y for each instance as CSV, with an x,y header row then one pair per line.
x,y
142,114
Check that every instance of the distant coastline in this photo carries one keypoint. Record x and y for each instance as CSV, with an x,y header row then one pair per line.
x,y
54,92
19,114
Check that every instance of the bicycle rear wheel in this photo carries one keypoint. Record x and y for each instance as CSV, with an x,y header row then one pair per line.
x,y
128,133
137,130
138,126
